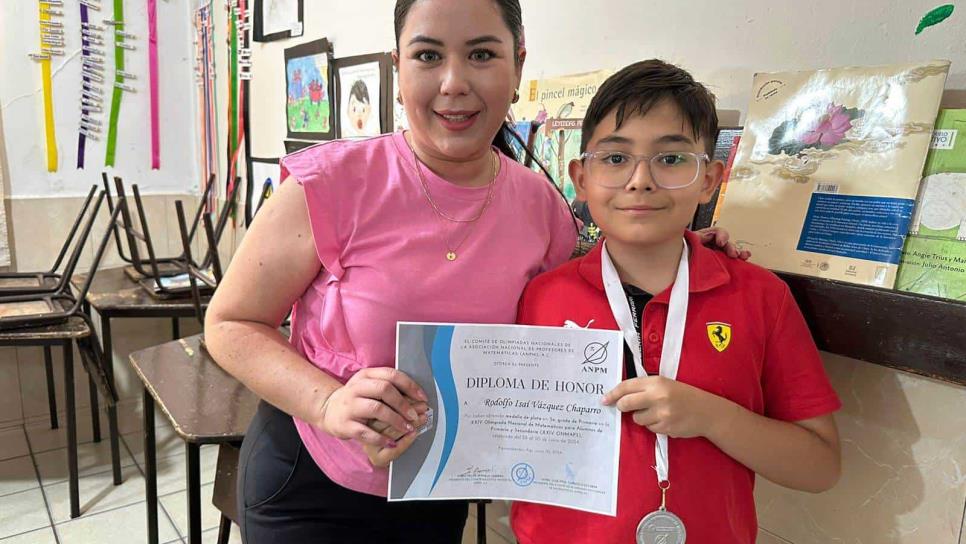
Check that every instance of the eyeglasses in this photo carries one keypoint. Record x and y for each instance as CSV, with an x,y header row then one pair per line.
x,y
669,170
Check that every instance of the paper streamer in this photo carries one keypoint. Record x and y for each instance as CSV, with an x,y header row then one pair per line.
x,y
208,108
81,137
153,68
118,92
48,100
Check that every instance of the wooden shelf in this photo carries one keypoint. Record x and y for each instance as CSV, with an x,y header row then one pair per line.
x,y
915,333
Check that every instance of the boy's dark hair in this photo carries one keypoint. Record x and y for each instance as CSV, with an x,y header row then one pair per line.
x,y
359,91
641,86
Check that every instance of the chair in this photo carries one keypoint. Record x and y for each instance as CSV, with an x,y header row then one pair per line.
x,y
167,278
52,308
48,281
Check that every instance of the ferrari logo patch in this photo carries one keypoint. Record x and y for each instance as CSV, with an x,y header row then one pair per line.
x,y
720,335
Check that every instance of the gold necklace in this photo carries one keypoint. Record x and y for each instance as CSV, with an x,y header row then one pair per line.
x,y
451,254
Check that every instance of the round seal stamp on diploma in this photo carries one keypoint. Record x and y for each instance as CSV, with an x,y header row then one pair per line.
x,y
522,474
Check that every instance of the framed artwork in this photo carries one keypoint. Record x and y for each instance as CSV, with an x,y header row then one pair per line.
x,y
363,91
291,146
278,19
399,120
309,108
263,180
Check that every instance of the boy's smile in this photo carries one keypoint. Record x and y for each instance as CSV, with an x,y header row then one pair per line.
x,y
642,212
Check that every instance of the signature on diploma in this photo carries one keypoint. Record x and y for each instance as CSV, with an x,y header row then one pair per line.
x,y
475,472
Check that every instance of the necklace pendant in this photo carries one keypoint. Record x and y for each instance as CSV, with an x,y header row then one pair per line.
x,y
451,256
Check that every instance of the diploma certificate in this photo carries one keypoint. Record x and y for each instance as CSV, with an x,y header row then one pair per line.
x,y
516,415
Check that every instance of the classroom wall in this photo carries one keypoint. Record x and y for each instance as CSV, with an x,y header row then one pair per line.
x,y
903,436
21,104
722,43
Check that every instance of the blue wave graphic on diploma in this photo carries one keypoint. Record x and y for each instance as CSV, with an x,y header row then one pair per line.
x,y
443,375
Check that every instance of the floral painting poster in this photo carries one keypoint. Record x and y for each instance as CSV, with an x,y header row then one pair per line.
x,y
309,113
826,173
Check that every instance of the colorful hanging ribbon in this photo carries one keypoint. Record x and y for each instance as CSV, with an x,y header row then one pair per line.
x,y
118,80
81,137
205,60
153,68
232,97
46,79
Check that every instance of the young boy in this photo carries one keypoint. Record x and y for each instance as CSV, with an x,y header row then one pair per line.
x,y
750,396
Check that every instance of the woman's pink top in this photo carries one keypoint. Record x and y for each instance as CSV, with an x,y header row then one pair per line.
x,y
383,252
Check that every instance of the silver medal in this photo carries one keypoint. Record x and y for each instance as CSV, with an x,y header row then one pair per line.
x,y
661,527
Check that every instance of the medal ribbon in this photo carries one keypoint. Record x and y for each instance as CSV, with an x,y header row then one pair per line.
x,y
673,333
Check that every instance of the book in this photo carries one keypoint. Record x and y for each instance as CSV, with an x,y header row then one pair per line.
x,y
725,145
555,109
934,258
826,174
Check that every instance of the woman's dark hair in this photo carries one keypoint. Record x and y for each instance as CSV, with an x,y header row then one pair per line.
x,y
359,91
513,17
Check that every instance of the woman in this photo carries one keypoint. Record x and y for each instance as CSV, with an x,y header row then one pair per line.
x,y
434,224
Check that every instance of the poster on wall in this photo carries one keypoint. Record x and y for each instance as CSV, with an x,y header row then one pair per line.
x,y
827,170
362,88
555,109
308,83
278,19
291,146
263,180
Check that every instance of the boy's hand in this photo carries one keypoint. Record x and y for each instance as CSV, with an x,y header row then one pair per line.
x,y
669,407
717,238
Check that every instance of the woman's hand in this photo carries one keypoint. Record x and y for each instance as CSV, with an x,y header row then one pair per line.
x,y
382,394
381,456
717,238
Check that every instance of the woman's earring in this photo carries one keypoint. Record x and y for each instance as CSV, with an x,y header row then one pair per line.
x,y
516,96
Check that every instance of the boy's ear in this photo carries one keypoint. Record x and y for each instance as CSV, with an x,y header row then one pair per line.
x,y
576,170
395,58
712,180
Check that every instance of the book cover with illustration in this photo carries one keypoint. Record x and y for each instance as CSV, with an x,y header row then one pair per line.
x,y
828,168
934,258
554,109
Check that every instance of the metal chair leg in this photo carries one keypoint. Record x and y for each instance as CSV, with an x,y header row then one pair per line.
x,y
95,409
113,434
74,487
224,530
150,468
481,522
193,481
51,393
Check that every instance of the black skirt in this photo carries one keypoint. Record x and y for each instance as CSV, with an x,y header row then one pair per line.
x,y
283,497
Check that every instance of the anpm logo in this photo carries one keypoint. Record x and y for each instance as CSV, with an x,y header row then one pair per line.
x,y
595,354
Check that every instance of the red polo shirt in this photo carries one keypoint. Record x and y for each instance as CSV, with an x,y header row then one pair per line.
x,y
745,340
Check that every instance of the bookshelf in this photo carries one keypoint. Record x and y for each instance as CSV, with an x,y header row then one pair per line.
x,y
914,333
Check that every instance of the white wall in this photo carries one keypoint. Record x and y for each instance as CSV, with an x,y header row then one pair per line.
x,y
21,101
723,43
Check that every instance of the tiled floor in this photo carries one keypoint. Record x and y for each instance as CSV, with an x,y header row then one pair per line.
x,y
34,502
